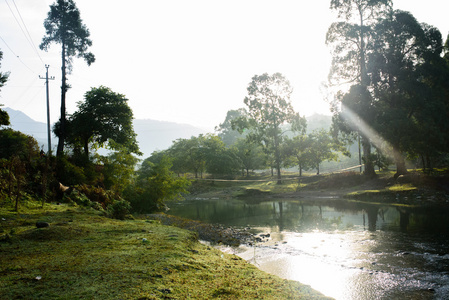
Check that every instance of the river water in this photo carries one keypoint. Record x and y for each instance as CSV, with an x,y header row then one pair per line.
x,y
343,249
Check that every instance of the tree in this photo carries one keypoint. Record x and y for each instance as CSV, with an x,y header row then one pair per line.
x,y
350,40
156,185
296,152
64,26
118,169
219,159
409,79
251,155
4,117
322,147
227,133
269,108
104,118
188,156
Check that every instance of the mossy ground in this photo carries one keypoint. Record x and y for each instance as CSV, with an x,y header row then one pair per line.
x,y
84,255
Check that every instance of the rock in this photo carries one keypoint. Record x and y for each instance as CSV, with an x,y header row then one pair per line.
x,y
40,224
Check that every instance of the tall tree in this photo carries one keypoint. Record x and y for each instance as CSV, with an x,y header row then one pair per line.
x,y
408,84
4,117
350,41
64,26
269,107
104,118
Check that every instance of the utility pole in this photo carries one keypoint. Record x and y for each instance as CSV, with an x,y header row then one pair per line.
x,y
48,108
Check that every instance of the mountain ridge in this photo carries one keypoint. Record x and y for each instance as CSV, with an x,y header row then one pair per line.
x,y
152,135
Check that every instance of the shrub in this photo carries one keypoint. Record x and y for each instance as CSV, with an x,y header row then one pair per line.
x,y
119,209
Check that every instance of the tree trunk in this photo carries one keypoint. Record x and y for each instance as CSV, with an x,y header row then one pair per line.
x,y
277,158
401,169
62,120
429,163
369,166
86,148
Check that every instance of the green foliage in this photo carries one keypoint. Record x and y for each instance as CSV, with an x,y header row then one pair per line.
x,y
104,119
250,155
219,159
4,117
349,40
68,172
118,170
269,108
15,143
155,185
21,166
119,209
64,26
98,194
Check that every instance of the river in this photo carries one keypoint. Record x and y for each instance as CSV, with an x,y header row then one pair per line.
x,y
343,249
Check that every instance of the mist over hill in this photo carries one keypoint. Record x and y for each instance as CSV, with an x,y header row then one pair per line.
x,y
152,135
155,135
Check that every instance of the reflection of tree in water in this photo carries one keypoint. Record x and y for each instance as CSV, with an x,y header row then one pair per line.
x,y
307,215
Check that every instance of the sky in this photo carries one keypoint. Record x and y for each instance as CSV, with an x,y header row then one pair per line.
x,y
176,60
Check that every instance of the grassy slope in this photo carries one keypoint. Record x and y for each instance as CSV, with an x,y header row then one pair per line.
x,y
85,255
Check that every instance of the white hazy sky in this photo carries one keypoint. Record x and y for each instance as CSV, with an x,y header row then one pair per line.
x,y
177,60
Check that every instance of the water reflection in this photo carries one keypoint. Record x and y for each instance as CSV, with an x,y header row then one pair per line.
x,y
344,249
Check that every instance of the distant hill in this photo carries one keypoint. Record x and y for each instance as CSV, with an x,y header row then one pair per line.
x,y
159,135
151,134
21,122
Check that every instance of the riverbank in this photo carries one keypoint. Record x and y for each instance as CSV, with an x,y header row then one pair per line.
x,y
79,253
413,189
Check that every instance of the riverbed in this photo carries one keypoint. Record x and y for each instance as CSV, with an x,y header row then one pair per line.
x,y
344,249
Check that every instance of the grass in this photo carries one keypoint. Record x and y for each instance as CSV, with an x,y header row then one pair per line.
x,y
83,254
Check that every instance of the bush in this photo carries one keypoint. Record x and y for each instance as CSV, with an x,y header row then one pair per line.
x,y
119,209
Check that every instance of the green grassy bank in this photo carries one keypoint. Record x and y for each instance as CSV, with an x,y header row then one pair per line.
x,y
84,255
415,188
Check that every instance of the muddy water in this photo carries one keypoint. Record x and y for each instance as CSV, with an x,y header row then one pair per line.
x,y
344,250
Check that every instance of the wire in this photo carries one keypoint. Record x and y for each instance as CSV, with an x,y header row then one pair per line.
x,y
17,56
27,37
24,25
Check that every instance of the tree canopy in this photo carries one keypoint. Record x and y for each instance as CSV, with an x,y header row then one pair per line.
x,y
104,118
268,108
350,40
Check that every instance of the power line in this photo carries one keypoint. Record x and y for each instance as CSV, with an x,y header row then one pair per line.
x,y
29,35
17,55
